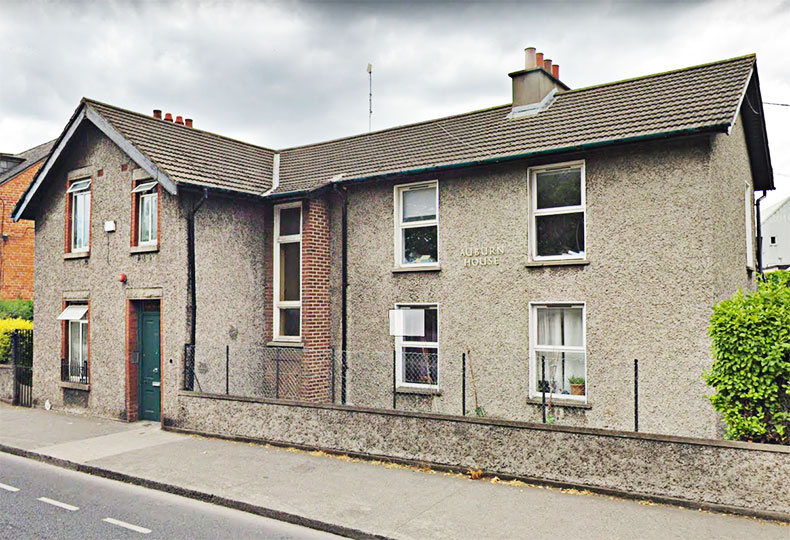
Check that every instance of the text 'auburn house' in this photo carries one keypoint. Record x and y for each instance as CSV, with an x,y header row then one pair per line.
x,y
545,245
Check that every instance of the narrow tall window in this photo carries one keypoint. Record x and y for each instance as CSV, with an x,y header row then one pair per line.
x,y
558,351
80,193
417,357
417,224
557,202
147,213
288,272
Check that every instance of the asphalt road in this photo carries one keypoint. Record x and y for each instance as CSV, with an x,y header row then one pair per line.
x,y
43,501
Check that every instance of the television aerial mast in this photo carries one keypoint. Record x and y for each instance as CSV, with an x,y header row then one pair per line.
x,y
370,97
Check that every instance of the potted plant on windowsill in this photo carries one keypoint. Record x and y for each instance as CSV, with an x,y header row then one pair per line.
x,y
577,385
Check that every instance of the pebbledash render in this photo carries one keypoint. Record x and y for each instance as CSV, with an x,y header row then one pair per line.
x,y
535,248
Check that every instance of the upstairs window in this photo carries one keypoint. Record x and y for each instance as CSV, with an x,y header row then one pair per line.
x,y
146,201
557,199
417,225
79,193
417,357
288,272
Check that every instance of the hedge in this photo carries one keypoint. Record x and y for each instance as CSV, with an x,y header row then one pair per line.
x,y
7,327
751,368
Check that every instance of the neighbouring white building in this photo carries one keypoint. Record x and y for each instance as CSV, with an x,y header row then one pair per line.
x,y
776,236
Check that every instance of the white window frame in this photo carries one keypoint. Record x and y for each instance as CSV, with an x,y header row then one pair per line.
x,y
83,191
154,225
401,343
83,328
398,192
532,174
534,365
285,304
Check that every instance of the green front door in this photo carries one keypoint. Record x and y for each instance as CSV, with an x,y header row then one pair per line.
x,y
150,376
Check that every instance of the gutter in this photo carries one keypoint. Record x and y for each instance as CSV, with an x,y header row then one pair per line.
x,y
191,267
722,128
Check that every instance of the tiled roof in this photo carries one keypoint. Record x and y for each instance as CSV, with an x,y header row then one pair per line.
x,y
191,156
29,157
697,98
703,97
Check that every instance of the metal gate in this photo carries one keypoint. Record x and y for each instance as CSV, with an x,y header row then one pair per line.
x,y
22,358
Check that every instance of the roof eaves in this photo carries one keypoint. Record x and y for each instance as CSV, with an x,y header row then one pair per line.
x,y
510,157
60,144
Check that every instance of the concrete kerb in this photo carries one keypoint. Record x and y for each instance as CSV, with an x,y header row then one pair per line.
x,y
627,495
197,495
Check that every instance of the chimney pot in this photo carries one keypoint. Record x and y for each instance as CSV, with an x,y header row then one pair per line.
x,y
547,65
180,120
158,114
555,70
168,117
188,122
529,53
539,60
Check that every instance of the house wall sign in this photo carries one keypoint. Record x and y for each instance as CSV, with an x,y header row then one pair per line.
x,y
482,256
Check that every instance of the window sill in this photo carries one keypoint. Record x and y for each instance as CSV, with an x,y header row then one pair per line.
x,y
557,262
77,255
427,391
76,385
559,402
134,250
431,268
292,344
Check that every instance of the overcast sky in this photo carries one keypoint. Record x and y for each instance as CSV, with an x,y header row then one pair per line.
x,y
281,74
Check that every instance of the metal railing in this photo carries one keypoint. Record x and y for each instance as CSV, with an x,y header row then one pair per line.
x,y
74,371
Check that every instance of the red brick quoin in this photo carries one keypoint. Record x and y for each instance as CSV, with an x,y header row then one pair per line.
x,y
316,362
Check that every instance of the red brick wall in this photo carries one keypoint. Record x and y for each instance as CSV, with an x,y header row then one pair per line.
x,y
316,363
16,253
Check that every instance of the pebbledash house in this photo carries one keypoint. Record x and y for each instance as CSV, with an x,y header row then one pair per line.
x,y
531,249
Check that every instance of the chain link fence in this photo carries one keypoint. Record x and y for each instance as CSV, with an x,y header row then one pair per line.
x,y
409,378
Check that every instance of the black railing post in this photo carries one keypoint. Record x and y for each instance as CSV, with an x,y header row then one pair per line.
x,y
543,385
227,370
636,394
15,347
394,379
332,373
463,385
343,375
277,372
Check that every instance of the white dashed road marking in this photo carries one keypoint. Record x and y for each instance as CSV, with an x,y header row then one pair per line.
x,y
129,526
59,504
8,488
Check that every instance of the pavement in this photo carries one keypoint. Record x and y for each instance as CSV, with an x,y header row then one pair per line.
x,y
346,496
42,501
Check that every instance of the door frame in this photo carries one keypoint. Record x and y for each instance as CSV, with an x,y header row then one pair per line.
x,y
134,308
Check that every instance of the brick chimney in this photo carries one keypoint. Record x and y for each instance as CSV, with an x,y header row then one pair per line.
x,y
539,77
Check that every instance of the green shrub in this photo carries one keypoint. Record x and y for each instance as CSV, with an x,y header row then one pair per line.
x,y
16,309
751,368
7,327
